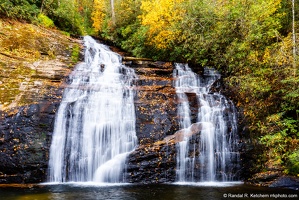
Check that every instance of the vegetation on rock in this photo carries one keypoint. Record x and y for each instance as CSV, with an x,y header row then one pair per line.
x,y
30,58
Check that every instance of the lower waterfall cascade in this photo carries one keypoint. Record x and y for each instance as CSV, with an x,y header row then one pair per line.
x,y
95,123
216,156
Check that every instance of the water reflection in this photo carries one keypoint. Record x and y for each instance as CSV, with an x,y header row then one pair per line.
x,y
141,192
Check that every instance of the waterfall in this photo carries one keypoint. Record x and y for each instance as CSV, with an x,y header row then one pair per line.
x,y
210,154
95,123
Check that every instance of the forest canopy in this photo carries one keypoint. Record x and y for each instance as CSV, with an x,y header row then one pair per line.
x,y
72,16
252,43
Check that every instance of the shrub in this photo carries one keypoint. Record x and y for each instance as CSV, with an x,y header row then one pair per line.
x,y
21,9
293,163
45,21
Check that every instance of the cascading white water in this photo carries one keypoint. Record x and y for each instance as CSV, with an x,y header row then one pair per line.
x,y
217,155
95,124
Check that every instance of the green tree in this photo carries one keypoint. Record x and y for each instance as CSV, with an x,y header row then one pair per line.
x,y
19,9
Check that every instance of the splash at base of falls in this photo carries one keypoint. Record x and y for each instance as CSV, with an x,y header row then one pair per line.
x,y
95,124
211,183
212,153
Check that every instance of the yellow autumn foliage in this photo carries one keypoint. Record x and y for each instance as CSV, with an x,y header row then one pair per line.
x,y
161,17
98,14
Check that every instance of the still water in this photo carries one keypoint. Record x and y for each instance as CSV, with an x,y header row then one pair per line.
x,y
87,191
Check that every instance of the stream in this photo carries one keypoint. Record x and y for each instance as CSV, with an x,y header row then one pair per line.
x,y
86,191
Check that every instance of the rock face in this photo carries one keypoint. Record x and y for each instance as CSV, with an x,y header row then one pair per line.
x,y
27,121
156,118
152,164
33,68
25,140
26,131
155,101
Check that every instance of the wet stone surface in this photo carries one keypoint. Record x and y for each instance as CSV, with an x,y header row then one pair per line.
x,y
155,101
25,134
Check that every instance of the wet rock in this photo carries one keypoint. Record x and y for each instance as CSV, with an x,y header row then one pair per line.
x,y
26,125
286,182
265,178
152,164
25,142
155,101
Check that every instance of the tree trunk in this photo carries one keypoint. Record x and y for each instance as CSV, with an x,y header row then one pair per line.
x,y
112,11
294,38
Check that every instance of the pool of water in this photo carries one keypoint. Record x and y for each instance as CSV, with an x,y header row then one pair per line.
x,y
180,191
